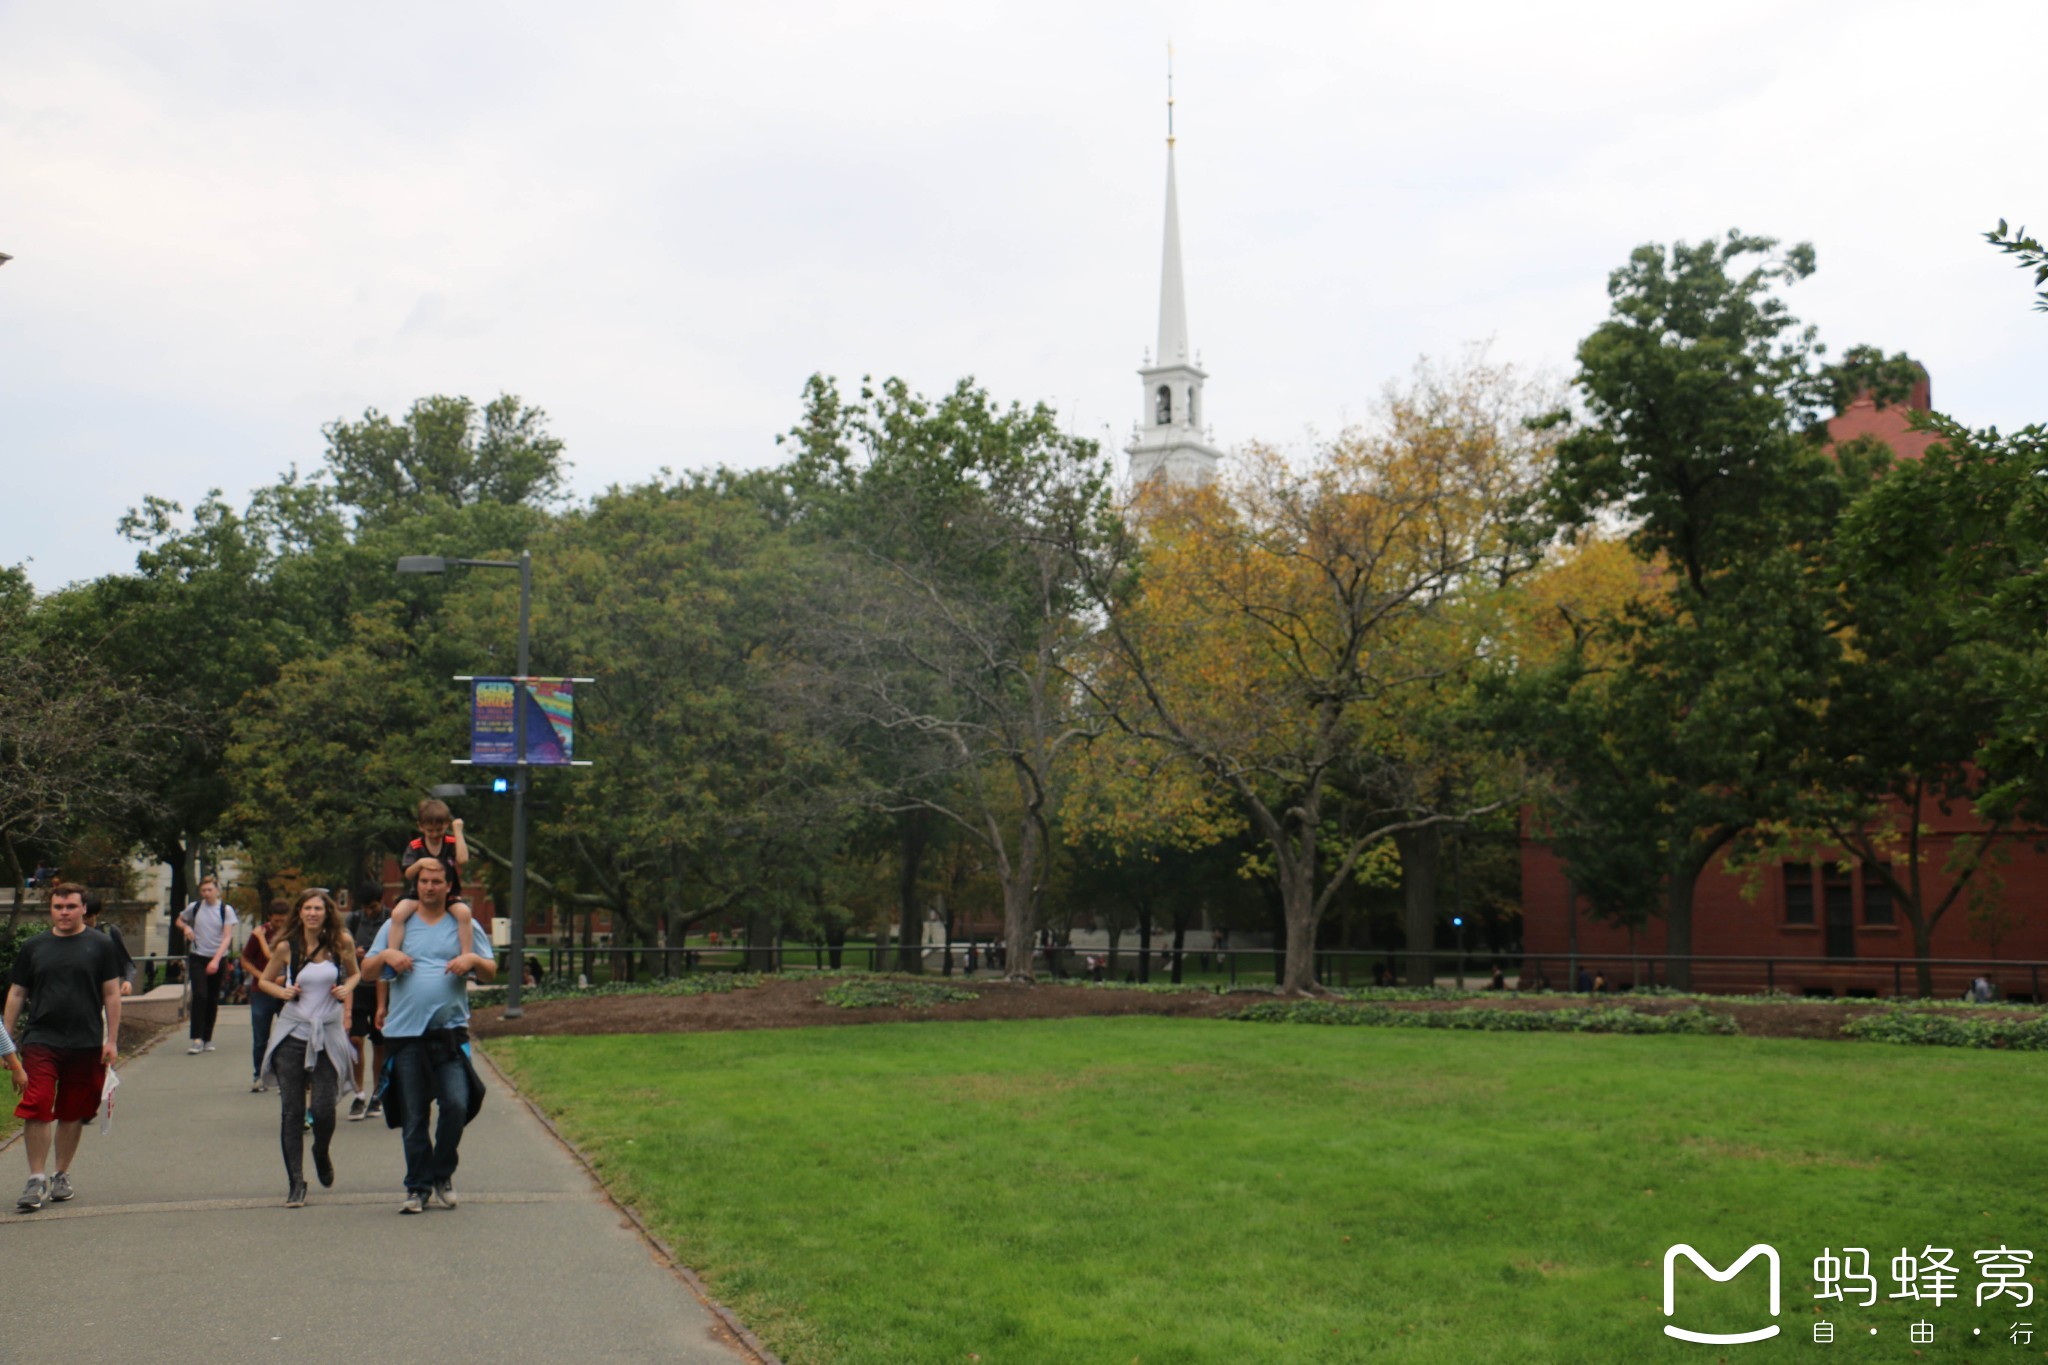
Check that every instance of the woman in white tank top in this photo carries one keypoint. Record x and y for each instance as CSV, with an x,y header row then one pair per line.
x,y
313,970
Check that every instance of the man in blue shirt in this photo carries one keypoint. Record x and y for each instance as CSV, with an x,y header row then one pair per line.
x,y
426,1023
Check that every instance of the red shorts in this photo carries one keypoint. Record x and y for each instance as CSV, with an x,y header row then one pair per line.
x,y
63,1084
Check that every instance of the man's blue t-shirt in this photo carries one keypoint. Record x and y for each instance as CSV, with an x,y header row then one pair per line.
x,y
427,996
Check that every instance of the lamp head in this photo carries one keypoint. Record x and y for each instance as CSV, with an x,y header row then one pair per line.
x,y
422,564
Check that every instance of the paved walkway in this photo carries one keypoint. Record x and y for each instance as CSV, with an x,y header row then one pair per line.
x,y
178,1242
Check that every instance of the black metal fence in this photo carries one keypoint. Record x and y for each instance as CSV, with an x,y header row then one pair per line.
x,y
2016,981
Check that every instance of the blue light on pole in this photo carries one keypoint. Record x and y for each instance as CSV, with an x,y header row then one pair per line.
x,y
500,785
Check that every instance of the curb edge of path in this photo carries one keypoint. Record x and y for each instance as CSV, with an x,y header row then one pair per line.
x,y
689,1278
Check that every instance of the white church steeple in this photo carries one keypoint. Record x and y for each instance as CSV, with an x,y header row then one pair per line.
x,y
1168,442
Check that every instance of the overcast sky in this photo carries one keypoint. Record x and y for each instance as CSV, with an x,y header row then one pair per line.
x,y
234,222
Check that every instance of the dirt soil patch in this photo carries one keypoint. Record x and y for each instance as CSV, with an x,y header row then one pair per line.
x,y
792,1002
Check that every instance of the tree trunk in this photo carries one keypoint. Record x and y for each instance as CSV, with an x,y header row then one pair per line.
x,y
1145,945
914,829
1678,889
760,941
1116,933
1180,938
1421,862
1299,972
1020,909
1923,951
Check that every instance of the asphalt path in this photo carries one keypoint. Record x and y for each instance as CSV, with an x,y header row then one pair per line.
x,y
178,1242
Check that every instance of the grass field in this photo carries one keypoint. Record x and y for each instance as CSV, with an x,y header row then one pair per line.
x,y
1191,1191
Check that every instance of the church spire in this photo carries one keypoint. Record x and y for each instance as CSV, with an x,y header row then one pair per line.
x,y
1170,441
1173,299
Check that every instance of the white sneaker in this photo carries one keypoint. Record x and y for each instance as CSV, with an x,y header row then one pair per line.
x,y
413,1204
445,1192
209,1047
196,1048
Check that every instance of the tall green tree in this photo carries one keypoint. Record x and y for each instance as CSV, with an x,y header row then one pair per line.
x,y
942,633
1702,395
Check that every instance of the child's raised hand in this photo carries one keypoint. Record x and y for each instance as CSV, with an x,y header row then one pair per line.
x,y
457,826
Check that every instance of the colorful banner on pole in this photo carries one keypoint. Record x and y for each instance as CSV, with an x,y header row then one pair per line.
x,y
550,720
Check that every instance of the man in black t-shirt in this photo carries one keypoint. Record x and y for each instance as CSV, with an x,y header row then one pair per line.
x,y
70,981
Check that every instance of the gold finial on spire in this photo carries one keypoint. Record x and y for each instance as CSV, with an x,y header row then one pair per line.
x,y
1169,92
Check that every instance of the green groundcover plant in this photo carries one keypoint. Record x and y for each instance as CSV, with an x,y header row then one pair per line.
x,y
856,994
1598,1019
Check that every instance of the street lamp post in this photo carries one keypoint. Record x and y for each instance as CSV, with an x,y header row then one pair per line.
x,y
515,908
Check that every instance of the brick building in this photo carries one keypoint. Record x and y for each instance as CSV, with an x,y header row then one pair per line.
x,y
1820,926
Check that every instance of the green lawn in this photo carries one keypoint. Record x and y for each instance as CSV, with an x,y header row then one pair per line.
x,y
1177,1191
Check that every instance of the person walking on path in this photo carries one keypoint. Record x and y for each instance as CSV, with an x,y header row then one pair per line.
x,y
263,1006
209,927
364,921
426,1025
129,971
70,981
312,970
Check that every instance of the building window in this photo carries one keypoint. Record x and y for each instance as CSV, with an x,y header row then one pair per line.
x,y
1877,894
1798,893
1165,409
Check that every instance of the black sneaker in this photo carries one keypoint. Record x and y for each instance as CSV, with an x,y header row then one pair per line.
x,y
375,1111
297,1198
60,1187
323,1166
32,1194
359,1109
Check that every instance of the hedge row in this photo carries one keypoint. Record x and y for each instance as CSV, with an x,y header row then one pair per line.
x,y
855,994
1929,1029
1600,1019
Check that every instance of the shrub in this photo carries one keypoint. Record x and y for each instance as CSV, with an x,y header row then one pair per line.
x,y
706,983
855,994
1600,1019
1929,1029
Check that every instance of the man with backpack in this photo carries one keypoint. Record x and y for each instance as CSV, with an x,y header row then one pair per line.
x,y
209,928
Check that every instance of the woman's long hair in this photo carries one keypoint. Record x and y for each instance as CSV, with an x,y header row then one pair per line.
x,y
330,935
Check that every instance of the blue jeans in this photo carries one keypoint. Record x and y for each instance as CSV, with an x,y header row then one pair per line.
x,y
420,1081
263,1011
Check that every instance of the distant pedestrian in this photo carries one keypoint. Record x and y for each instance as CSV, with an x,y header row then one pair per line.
x,y
263,1006
70,980
1499,981
1981,991
425,1018
312,972
368,916
129,971
208,925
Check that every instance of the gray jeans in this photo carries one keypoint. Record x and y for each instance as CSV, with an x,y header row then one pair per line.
x,y
289,1062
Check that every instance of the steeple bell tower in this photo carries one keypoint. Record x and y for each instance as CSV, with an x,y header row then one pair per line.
x,y
1169,442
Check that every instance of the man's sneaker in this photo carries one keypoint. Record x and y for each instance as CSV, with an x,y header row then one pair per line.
x,y
196,1048
209,1047
60,1187
414,1203
32,1194
445,1192
255,1085
358,1109
376,1109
